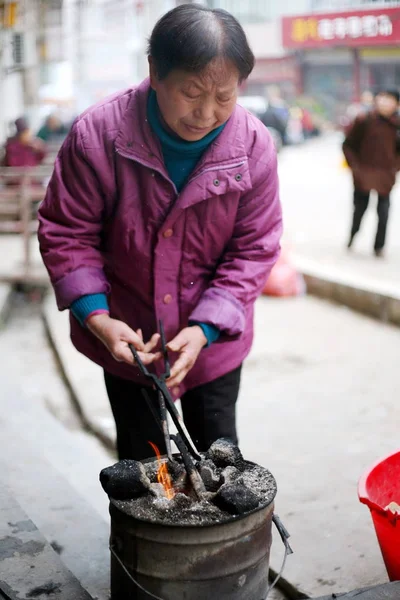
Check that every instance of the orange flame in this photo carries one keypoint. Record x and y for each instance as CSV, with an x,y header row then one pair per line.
x,y
163,475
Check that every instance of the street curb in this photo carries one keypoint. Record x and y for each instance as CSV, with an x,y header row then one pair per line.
x,y
290,591
89,422
370,297
6,298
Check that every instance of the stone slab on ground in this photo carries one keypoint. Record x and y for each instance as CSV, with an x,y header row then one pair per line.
x,y
29,567
54,477
318,405
84,378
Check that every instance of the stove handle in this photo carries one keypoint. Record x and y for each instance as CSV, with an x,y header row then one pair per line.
x,y
285,535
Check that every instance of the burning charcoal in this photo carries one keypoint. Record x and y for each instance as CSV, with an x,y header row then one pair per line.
x,y
208,463
232,475
211,479
158,490
208,497
180,501
162,504
125,480
224,453
151,471
236,499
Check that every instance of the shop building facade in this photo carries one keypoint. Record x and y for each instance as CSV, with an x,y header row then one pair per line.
x,y
342,54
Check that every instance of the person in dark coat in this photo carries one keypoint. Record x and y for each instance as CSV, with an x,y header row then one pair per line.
x,y
372,152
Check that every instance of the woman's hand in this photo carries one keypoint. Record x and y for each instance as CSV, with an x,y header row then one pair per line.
x,y
188,344
117,335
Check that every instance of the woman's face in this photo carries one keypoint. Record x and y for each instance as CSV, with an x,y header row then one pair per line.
x,y
25,137
386,104
192,105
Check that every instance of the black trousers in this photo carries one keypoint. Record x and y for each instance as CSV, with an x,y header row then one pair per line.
x,y
209,412
361,200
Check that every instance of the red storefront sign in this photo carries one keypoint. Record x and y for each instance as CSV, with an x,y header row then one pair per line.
x,y
355,28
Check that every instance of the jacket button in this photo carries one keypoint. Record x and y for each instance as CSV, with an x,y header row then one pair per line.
x,y
129,144
238,177
168,233
216,182
167,299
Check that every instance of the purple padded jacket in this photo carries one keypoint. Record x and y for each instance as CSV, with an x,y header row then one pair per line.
x,y
112,222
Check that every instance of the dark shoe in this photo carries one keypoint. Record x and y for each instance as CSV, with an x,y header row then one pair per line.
x,y
350,242
379,253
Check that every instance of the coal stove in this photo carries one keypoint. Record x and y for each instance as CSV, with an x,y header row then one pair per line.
x,y
171,544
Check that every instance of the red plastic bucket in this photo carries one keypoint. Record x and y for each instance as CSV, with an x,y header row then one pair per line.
x,y
377,488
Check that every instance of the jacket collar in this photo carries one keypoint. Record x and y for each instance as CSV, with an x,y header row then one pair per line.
x,y
394,120
135,138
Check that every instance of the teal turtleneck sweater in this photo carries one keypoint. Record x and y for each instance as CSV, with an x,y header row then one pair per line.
x,y
180,158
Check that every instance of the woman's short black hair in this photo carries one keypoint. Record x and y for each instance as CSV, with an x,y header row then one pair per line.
x,y
190,36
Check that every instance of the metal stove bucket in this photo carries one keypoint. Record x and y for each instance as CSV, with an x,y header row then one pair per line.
x,y
229,561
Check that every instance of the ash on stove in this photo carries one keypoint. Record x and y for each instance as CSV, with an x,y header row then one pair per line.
x,y
233,487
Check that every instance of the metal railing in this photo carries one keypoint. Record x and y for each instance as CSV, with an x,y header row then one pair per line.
x,y
21,191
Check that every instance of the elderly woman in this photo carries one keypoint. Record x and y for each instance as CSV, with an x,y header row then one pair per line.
x,y
164,205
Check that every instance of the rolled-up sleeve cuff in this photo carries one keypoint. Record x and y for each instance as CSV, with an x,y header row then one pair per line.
x,y
211,332
221,309
87,306
82,282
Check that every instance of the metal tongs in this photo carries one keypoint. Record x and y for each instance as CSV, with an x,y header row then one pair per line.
x,y
166,403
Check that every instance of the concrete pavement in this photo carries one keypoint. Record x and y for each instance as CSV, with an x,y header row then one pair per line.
x,y
318,406
12,260
49,464
83,377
